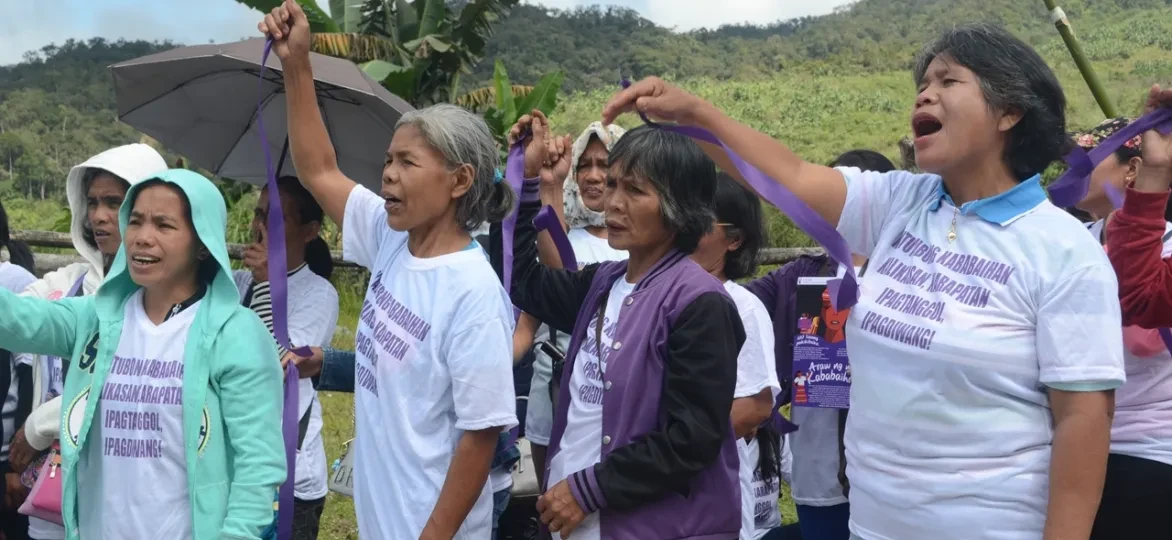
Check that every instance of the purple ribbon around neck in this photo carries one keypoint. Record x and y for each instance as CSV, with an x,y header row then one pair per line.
x,y
844,292
547,220
278,291
1072,187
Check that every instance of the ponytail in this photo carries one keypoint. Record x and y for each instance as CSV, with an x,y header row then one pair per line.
x,y
18,253
319,258
769,457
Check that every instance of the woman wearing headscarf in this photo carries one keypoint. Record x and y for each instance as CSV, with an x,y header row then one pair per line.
x,y
729,253
434,338
1138,238
983,382
171,425
575,190
642,445
819,486
95,190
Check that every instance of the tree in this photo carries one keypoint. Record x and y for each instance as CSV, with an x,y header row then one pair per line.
x,y
417,49
507,107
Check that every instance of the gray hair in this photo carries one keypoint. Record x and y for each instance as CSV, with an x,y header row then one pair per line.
x,y
463,138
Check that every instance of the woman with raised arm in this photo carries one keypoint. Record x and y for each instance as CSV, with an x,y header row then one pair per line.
x,y
983,382
172,404
95,190
434,340
641,445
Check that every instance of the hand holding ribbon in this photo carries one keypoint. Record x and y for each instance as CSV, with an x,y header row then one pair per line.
x,y
666,101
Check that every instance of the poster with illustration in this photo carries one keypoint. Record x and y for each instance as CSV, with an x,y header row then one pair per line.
x,y
822,372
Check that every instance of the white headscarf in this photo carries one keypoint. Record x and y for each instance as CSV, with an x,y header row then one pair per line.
x,y
577,215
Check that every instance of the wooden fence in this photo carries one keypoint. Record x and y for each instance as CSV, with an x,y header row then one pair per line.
x,y
47,262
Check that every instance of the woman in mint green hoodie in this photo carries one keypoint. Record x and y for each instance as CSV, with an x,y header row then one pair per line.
x,y
185,440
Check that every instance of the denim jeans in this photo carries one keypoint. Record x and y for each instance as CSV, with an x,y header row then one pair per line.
x,y
500,501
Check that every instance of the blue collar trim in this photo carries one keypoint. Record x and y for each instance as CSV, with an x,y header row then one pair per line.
x,y
1001,209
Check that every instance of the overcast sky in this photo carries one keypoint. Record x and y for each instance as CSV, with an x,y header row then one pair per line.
x,y
31,24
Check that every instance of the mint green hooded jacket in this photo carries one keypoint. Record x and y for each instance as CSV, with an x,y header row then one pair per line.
x,y
232,387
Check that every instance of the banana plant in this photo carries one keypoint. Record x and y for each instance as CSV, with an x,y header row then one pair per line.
x,y
417,49
508,107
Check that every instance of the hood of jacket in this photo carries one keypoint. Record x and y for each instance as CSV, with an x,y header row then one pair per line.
x,y
209,214
577,214
132,163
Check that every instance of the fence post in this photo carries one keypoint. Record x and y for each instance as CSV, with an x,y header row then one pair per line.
x,y
1058,17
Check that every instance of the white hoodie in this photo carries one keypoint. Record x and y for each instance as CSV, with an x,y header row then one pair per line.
x,y
133,163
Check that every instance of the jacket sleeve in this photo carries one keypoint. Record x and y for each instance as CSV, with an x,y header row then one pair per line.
x,y
1134,245
43,424
32,325
552,296
337,371
251,396
700,376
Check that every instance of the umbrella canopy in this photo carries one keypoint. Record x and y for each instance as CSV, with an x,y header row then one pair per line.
x,y
201,102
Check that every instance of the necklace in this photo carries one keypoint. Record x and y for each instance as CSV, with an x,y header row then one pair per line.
x,y
952,230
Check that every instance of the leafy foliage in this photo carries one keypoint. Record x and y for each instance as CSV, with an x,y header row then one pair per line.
x,y
508,108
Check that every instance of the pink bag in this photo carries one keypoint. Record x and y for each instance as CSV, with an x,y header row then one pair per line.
x,y
44,500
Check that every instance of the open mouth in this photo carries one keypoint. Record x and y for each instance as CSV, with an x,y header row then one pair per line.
x,y
98,233
924,124
143,261
392,202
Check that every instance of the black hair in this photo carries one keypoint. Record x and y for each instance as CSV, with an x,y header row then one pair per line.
x,y
866,160
317,251
682,175
18,252
1012,77
209,268
87,180
769,452
741,210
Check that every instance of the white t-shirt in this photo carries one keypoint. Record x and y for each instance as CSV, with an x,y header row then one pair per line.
x,y
756,371
581,444
433,354
588,249
816,454
312,316
953,344
137,449
1143,406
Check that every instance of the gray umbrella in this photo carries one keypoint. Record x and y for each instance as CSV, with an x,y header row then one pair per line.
x,y
201,102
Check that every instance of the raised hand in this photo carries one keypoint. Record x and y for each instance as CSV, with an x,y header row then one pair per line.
x,y
536,145
289,29
658,100
1157,148
558,153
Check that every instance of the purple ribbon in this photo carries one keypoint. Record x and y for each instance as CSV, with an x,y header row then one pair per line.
x,y
1072,186
843,292
547,220
514,176
278,289
1070,189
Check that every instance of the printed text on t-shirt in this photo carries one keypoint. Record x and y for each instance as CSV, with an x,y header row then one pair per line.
x,y
907,272
592,393
390,330
136,406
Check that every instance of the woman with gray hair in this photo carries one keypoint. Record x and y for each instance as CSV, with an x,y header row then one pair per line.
x,y
433,351
641,445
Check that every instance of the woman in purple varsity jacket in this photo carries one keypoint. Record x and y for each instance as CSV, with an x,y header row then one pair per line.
x,y
641,447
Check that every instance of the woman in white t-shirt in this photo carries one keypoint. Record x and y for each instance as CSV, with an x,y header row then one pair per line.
x,y
434,383
312,315
982,378
729,252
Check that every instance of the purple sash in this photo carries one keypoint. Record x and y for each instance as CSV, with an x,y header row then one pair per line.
x,y
1073,185
547,220
278,290
843,292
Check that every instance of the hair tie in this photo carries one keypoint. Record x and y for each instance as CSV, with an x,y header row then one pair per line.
x,y
497,176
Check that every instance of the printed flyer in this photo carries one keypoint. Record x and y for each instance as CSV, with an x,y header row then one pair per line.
x,y
822,372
